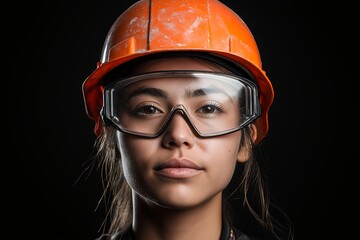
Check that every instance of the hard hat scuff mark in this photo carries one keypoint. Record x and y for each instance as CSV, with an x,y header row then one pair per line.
x,y
154,30
169,26
196,23
136,25
193,26
133,20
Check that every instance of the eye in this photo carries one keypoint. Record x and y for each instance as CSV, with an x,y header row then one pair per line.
x,y
147,109
210,108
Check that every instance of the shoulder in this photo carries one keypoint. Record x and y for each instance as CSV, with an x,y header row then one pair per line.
x,y
246,237
126,235
242,236
122,235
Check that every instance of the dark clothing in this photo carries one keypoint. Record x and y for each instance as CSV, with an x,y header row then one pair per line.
x,y
227,233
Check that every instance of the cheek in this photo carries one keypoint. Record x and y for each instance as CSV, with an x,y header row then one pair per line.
x,y
221,156
127,156
134,154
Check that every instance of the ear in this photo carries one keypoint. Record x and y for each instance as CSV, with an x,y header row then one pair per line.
x,y
245,150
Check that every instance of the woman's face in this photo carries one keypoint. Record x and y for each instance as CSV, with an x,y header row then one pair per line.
x,y
178,169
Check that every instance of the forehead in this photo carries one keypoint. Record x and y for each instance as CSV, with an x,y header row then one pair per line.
x,y
177,63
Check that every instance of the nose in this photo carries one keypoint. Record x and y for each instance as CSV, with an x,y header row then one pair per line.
x,y
178,133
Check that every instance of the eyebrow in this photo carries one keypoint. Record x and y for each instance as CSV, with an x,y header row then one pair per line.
x,y
205,91
156,92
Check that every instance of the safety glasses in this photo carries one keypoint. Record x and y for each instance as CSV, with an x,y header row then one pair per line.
x,y
213,104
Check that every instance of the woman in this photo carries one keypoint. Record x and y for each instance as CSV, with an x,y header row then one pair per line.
x,y
180,103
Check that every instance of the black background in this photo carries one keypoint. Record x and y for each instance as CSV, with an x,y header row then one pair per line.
x,y
307,51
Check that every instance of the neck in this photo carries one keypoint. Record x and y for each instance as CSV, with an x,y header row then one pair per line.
x,y
154,222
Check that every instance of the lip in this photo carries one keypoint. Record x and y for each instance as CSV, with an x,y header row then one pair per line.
x,y
179,168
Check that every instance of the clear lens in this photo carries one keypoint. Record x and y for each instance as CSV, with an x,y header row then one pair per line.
x,y
212,103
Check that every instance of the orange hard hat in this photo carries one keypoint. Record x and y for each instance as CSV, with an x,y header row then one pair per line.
x,y
157,26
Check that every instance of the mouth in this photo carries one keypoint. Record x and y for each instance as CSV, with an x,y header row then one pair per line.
x,y
179,168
